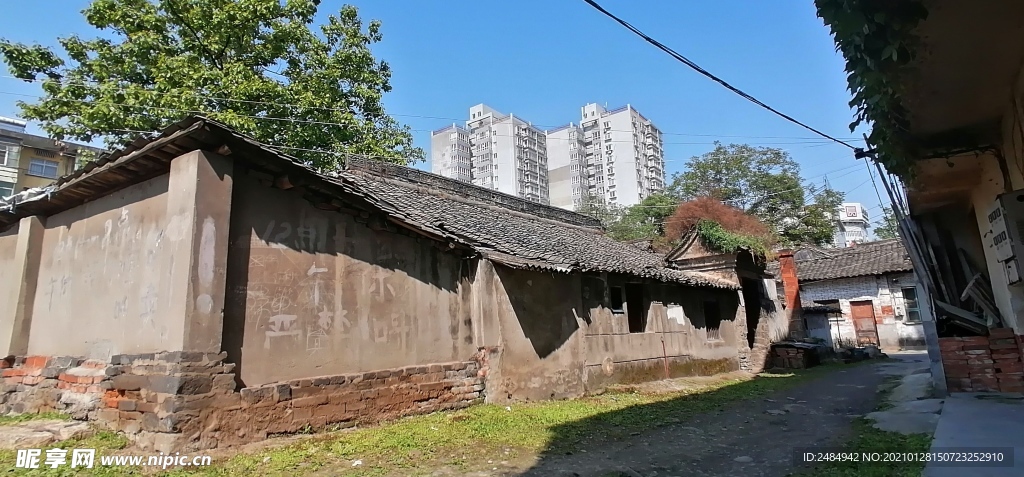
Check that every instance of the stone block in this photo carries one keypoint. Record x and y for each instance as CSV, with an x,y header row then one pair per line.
x,y
130,382
224,383
181,384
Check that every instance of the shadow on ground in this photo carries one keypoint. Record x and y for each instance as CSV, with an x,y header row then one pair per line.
x,y
645,427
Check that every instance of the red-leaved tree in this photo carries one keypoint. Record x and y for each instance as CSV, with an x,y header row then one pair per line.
x,y
731,219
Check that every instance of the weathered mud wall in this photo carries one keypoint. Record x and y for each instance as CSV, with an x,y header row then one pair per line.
x,y
314,292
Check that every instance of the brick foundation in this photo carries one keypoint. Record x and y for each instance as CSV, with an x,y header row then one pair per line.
x,y
983,363
180,402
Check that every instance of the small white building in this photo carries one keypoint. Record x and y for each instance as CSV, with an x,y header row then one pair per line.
x,y
852,226
862,294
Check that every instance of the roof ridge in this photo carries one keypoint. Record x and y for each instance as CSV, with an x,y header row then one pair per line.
x,y
478,194
466,200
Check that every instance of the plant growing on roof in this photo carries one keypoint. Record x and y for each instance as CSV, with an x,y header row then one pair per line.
x,y
878,41
236,61
722,227
765,183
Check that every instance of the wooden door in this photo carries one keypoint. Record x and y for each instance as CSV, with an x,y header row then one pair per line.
x,y
863,313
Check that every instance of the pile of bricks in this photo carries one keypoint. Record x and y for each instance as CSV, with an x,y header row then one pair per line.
x,y
983,363
793,357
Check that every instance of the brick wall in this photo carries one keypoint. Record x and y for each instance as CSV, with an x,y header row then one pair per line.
x,y
788,270
983,363
179,401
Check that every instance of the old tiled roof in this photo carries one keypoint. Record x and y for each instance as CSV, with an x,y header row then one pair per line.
x,y
871,258
515,239
502,228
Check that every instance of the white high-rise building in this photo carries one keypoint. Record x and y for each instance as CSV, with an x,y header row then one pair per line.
x,y
852,226
450,154
567,167
623,154
504,153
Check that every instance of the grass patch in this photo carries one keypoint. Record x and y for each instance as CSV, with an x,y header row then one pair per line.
x,y
868,439
105,443
495,432
16,419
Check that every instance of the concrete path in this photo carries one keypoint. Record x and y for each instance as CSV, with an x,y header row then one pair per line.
x,y
972,422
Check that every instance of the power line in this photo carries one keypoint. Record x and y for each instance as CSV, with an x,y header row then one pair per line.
x,y
328,123
708,74
324,108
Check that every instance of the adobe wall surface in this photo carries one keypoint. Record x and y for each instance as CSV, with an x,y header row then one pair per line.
x,y
102,279
539,345
9,286
313,292
675,335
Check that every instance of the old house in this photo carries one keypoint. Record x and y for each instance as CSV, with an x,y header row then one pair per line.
x,y
198,288
865,294
947,121
766,322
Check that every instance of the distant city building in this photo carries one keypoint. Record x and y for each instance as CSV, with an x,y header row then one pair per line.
x,y
614,156
567,167
506,154
852,226
28,161
623,154
450,154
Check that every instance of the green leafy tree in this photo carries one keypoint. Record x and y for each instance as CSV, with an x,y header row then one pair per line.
x,y
887,227
236,61
645,220
763,182
596,207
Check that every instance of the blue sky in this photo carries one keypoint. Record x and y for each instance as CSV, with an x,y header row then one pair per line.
x,y
543,60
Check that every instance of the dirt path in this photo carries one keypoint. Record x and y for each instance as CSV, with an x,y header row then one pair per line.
x,y
751,438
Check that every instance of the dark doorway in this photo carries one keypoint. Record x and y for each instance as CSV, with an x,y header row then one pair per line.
x,y
635,309
752,305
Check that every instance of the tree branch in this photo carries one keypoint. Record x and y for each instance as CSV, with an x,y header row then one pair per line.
x,y
171,10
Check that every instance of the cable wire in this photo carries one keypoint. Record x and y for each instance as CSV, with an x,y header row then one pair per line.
x,y
708,74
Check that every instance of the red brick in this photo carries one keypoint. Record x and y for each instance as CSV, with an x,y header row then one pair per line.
x,y
1002,368
35,362
16,372
954,362
957,371
1001,333
976,346
14,380
309,401
980,361
1005,354
1004,346
33,380
999,341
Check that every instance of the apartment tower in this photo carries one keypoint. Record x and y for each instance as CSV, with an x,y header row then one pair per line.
x,y
450,154
623,155
567,167
505,153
